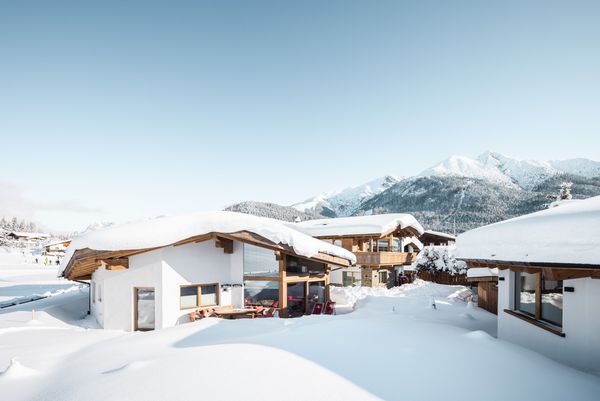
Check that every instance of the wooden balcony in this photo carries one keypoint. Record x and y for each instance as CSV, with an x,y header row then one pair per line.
x,y
385,258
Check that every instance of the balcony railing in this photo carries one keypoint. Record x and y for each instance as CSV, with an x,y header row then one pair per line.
x,y
385,258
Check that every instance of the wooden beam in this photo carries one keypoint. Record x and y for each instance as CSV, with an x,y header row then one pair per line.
x,y
283,312
225,243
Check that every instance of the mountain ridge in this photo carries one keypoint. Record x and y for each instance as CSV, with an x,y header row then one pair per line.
x,y
456,194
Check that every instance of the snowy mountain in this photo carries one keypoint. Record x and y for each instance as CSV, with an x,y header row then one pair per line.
x,y
460,166
454,195
499,169
346,201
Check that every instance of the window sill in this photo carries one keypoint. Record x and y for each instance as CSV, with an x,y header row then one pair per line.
x,y
537,323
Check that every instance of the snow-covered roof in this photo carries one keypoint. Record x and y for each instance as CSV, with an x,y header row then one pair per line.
x,y
440,234
569,233
165,231
380,224
477,272
415,241
53,243
29,235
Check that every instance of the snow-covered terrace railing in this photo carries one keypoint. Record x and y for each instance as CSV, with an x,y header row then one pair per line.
x,y
165,231
379,225
567,235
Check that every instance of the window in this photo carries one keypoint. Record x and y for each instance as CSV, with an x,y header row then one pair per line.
x,y
383,277
93,292
525,287
298,266
259,261
396,245
383,245
552,301
350,279
207,294
539,297
265,293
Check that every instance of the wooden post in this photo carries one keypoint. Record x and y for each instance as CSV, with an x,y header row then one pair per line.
x,y
538,296
327,281
283,312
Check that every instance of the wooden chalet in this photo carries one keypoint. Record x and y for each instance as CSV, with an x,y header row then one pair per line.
x,y
381,244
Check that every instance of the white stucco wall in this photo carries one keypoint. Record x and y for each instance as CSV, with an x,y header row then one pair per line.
x,y
167,270
581,324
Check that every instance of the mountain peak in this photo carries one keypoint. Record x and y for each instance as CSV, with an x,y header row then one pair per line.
x,y
345,201
462,166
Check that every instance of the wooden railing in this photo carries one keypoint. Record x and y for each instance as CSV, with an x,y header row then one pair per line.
x,y
384,258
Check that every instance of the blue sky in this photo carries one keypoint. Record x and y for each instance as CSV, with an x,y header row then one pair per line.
x,y
117,111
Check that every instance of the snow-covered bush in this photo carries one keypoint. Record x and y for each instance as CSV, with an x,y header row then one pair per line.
x,y
440,259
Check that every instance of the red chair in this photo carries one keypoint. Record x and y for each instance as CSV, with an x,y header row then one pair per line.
x,y
329,308
318,308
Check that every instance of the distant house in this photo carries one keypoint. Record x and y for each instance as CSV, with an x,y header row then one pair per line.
x,y
548,279
436,238
27,237
382,245
152,274
56,249
57,246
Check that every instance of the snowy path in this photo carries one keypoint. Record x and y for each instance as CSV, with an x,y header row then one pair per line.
x,y
394,346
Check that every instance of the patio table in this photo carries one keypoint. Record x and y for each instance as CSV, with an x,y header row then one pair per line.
x,y
235,313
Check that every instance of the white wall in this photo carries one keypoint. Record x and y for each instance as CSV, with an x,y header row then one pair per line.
x,y
201,263
116,309
581,324
167,270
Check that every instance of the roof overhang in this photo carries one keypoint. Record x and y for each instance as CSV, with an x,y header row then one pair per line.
x,y
85,261
559,271
401,232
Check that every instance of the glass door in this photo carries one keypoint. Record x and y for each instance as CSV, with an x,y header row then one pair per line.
x,y
296,299
316,295
144,309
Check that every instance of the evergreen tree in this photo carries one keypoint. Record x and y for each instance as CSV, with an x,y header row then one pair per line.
x,y
565,191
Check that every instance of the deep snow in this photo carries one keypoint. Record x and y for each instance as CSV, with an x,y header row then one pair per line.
x,y
391,345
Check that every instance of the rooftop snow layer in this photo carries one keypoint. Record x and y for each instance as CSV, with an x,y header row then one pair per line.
x,y
164,231
359,225
569,233
476,272
441,234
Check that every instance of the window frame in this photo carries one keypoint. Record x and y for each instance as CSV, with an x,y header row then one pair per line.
x,y
199,295
535,319
387,276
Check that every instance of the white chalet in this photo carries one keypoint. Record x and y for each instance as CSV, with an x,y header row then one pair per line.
x,y
548,279
152,274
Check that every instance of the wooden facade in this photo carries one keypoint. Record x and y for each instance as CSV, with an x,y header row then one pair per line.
x,y
379,254
487,295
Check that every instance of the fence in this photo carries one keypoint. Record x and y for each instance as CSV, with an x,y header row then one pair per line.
x,y
444,278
